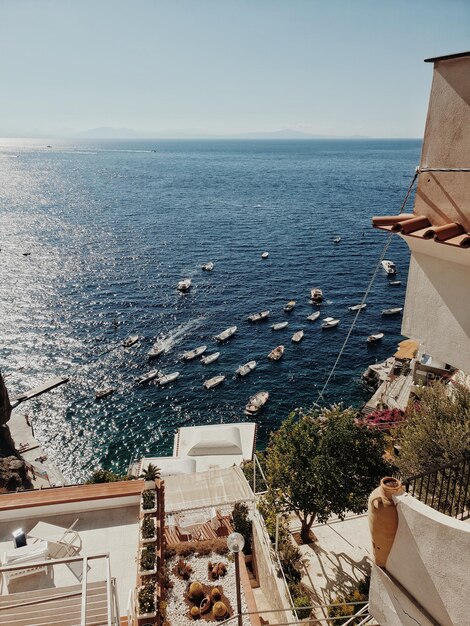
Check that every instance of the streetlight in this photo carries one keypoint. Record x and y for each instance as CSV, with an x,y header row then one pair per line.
x,y
235,543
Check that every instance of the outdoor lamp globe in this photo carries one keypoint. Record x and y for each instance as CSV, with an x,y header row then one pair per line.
x,y
235,542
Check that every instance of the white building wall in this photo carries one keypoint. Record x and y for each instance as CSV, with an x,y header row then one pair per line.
x,y
437,305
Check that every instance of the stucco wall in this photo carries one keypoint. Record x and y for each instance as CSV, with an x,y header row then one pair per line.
x,y
273,587
427,572
443,196
437,305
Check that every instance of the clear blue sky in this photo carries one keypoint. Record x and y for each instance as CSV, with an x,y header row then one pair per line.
x,y
336,67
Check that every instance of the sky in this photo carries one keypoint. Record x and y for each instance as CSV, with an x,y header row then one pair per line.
x,y
223,67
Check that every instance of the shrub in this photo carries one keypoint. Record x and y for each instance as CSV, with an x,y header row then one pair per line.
x,y
147,599
340,606
290,558
183,569
202,548
147,558
148,528
148,499
103,476
300,600
242,524
384,419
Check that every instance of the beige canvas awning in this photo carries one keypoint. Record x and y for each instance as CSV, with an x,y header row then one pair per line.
x,y
407,349
213,488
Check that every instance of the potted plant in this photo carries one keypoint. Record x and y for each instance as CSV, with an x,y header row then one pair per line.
x,y
146,602
147,530
148,501
147,561
150,474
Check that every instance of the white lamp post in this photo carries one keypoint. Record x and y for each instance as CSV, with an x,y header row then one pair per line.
x,y
235,543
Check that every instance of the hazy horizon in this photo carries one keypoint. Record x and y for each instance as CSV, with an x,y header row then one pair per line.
x,y
179,69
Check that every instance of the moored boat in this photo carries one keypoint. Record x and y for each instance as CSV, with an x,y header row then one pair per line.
x,y
146,378
243,370
213,382
210,358
226,334
374,338
313,316
103,393
130,341
394,283
357,307
168,378
265,255
298,336
389,266
207,267
392,311
331,323
192,354
280,325
184,285
257,317
256,402
276,354
316,295
157,349
337,240
289,306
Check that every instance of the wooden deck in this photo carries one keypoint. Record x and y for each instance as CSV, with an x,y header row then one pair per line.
x,y
76,493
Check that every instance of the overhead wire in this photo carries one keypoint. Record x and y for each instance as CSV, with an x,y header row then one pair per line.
x,y
369,287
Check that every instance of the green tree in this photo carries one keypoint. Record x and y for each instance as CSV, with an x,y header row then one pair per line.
x,y
152,472
437,429
322,464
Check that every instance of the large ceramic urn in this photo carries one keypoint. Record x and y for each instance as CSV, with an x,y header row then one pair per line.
x,y
383,517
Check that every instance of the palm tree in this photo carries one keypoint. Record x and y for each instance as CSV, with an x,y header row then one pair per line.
x,y
151,473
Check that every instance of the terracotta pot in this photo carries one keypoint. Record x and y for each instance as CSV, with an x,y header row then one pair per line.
x,y
383,517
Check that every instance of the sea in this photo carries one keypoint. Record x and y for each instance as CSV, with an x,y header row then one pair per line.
x,y
95,235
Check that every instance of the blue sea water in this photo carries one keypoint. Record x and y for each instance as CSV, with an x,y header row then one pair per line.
x,y
112,226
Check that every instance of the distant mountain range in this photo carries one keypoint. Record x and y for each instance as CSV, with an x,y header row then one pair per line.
x,y
108,132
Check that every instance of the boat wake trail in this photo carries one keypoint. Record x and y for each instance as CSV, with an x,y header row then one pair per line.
x,y
177,335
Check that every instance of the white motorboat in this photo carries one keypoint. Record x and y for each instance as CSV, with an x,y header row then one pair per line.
x,y
389,267
213,382
168,378
337,240
313,316
210,358
330,324
357,307
130,341
393,311
157,349
256,402
265,255
298,336
207,267
289,306
184,285
243,370
193,354
146,378
257,317
280,325
374,338
316,295
394,283
103,393
226,334
276,354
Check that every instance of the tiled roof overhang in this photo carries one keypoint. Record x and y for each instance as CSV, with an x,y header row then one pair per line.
x,y
419,226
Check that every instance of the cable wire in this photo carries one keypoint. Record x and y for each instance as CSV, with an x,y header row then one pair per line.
x,y
369,287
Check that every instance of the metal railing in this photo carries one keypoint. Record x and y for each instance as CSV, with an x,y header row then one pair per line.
x,y
445,489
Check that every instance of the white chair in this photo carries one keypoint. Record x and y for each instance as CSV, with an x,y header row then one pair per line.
x,y
66,540
32,553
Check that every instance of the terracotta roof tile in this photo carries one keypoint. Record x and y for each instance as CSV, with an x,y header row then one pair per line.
x,y
452,234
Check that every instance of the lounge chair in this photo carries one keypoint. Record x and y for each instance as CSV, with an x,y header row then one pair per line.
x,y
32,553
67,541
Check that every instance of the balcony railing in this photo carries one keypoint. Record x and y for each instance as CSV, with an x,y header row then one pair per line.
x,y
445,489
